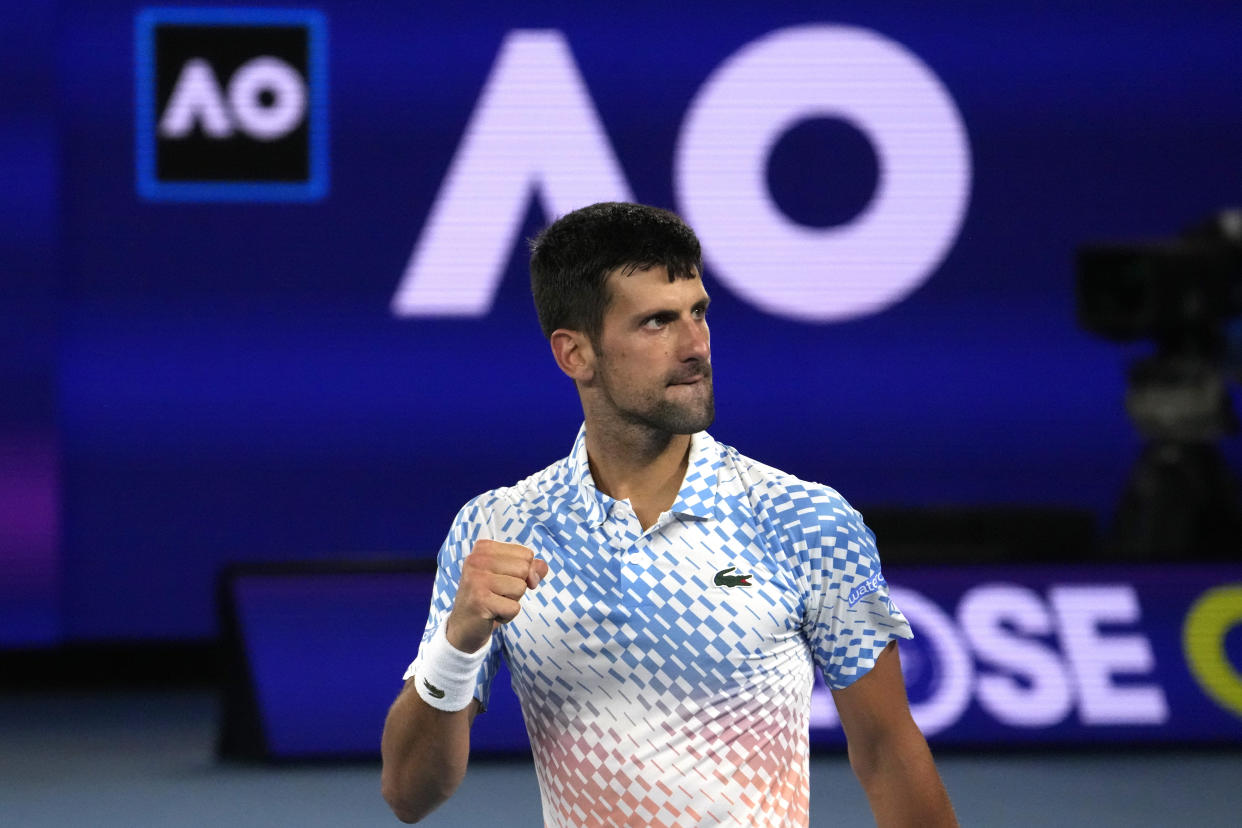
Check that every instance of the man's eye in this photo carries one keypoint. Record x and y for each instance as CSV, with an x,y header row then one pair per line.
x,y
654,322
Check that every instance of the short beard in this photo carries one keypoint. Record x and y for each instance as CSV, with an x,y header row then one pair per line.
x,y
663,416
671,418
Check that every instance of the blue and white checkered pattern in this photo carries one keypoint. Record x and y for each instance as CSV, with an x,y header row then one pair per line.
x,y
654,695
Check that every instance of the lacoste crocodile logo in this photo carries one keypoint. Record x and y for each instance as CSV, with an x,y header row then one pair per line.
x,y
435,692
724,579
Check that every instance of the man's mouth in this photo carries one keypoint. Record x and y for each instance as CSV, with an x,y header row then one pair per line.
x,y
693,379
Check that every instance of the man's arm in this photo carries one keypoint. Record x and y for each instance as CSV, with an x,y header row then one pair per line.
x,y
424,752
425,749
887,751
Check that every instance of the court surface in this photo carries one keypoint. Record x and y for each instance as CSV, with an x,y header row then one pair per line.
x,y
146,759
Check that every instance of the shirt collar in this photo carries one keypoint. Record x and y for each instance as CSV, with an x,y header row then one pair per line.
x,y
696,498
594,503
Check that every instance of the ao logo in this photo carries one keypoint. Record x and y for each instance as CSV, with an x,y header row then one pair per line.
x,y
265,99
535,128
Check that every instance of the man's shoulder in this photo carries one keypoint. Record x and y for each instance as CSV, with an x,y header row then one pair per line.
x,y
786,499
779,485
539,493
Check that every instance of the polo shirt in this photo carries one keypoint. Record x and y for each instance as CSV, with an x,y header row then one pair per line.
x,y
665,675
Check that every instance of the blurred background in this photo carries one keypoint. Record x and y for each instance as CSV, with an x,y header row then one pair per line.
x,y
266,326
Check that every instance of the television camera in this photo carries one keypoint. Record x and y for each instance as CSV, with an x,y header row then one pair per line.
x,y
1182,501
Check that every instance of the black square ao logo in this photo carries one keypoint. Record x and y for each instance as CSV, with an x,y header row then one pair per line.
x,y
232,104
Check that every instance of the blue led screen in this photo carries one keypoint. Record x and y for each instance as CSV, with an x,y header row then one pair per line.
x,y
889,199
30,563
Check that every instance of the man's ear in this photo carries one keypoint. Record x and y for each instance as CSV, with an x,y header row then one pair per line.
x,y
574,354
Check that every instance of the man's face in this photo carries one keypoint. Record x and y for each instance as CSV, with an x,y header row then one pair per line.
x,y
653,357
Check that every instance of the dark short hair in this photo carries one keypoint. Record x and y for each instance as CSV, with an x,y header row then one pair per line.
x,y
570,260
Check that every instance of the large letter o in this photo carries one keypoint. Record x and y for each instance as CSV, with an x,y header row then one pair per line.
x,y
956,668
818,71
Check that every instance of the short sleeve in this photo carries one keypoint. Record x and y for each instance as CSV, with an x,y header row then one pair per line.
x,y
467,527
850,617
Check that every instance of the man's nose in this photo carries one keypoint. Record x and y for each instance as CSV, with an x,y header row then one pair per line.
x,y
696,341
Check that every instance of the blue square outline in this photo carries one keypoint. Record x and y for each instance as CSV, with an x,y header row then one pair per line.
x,y
149,186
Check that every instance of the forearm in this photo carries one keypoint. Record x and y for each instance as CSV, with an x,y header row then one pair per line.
x,y
425,748
902,783
424,753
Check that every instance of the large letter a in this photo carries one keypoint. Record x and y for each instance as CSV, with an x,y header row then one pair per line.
x,y
535,129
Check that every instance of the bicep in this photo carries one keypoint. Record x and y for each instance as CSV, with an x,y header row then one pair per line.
x,y
875,705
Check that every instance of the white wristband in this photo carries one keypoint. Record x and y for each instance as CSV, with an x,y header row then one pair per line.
x,y
444,676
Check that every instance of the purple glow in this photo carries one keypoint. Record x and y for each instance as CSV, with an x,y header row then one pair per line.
x,y
29,538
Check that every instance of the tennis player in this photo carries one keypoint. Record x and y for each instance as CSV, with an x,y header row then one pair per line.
x,y
660,599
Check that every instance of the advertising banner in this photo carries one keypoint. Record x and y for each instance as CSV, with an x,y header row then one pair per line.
x,y
1010,657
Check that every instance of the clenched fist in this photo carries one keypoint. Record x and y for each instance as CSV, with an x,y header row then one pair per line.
x,y
494,577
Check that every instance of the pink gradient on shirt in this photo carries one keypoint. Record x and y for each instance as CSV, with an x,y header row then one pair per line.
x,y
745,755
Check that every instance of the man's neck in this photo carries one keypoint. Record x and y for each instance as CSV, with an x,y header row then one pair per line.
x,y
631,462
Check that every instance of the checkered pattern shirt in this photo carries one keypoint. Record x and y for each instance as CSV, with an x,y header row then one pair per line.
x,y
665,675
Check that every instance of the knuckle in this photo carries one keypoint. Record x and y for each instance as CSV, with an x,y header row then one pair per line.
x,y
507,611
516,588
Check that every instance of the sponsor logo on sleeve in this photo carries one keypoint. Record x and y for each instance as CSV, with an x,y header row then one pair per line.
x,y
867,587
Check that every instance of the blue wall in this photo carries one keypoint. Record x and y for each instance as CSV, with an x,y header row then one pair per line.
x,y
233,384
